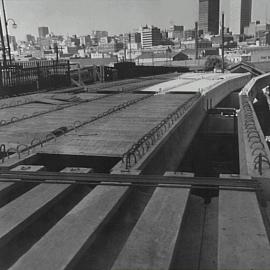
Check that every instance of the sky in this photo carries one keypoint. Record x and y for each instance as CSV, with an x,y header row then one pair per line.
x,y
116,16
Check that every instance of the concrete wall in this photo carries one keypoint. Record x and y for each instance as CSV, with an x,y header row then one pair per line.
x,y
167,155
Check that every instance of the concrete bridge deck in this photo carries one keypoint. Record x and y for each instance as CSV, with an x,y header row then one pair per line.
x,y
59,217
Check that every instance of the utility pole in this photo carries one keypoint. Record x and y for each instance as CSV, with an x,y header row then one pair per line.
x,y
129,40
222,41
125,48
6,27
196,40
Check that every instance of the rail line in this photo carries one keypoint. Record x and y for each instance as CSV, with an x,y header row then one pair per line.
x,y
110,179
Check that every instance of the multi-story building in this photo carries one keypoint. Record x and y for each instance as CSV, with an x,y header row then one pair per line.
x,y
189,34
30,39
111,47
202,44
12,42
99,34
86,41
151,36
209,16
176,32
134,37
43,31
256,29
240,15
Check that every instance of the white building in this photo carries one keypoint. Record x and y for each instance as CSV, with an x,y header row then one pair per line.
x,y
150,36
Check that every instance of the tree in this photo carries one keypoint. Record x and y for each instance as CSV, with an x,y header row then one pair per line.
x,y
213,61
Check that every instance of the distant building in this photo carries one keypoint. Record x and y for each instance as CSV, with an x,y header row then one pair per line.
x,y
165,58
202,44
97,34
12,42
229,42
75,41
43,31
240,15
72,50
111,47
134,37
30,39
189,34
258,54
209,16
256,30
176,32
105,40
86,41
151,36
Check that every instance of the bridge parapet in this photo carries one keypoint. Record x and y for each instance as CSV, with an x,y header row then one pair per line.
x,y
254,152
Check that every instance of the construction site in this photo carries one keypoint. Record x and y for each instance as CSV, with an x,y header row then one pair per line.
x,y
164,172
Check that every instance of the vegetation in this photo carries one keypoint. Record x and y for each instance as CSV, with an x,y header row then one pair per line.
x,y
213,62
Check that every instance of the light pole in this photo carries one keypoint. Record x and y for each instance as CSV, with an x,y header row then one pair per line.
x,y
14,25
222,40
3,44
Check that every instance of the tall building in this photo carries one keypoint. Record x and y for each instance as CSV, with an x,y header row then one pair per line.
x,y
43,31
240,16
150,36
209,16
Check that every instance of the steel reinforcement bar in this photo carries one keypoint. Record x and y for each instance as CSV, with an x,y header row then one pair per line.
x,y
142,146
254,138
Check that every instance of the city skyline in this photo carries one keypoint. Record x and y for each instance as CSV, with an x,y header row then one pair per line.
x,y
115,16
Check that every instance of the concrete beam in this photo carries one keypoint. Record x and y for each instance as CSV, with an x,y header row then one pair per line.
x,y
242,237
63,245
152,241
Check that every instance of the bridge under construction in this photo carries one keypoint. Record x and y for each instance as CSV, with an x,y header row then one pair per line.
x,y
164,172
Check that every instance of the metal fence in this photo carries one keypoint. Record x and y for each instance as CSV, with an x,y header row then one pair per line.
x,y
19,77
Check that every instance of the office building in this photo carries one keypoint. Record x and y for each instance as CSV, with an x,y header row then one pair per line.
x,y
43,31
240,16
176,32
209,16
256,30
30,39
150,36
86,41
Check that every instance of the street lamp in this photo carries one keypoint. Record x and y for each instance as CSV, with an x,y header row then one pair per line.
x,y
14,25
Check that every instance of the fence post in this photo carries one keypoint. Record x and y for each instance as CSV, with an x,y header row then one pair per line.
x,y
1,75
38,77
68,73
